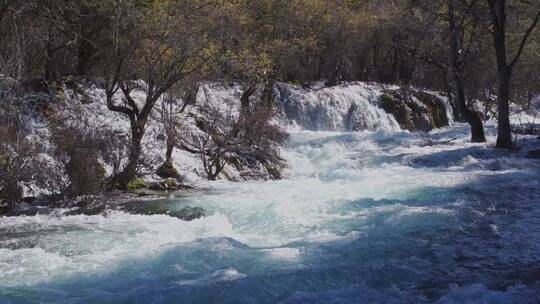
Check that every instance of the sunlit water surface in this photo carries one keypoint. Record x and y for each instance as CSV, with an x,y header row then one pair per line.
x,y
359,218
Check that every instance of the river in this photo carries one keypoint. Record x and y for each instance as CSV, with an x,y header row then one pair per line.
x,y
367,217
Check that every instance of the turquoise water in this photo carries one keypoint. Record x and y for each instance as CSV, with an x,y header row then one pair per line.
x,y
359,218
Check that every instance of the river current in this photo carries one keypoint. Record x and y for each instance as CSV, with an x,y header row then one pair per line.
x,y
367,217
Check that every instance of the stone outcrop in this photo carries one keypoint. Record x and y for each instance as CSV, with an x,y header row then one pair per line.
x,y
415,110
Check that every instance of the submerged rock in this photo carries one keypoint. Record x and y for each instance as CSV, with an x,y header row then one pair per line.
x,y
159,208
169,184
188,213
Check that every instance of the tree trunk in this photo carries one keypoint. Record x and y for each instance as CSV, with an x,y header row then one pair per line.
x,y
130,171
84,53
170,148
50,73
472,117
267,95
457,61
458,115
244,100
504,131
498,18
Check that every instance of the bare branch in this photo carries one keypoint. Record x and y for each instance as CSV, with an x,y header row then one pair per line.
x,y
524,39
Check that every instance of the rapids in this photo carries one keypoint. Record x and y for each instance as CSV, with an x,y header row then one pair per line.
x,y
367,217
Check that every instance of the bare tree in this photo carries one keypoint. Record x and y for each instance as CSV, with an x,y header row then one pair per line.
x,y
462,31
244,139
160,47
173,105
460,48
505,66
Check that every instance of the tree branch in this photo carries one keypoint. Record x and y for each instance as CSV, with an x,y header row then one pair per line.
x,y
525,38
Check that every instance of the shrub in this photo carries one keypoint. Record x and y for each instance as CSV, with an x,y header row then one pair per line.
x,y
16,165
249,139
79,145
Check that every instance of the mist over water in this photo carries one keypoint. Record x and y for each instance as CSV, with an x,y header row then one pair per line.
x,y
359,217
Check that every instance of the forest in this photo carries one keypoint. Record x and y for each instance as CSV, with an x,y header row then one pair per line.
x,y
270,151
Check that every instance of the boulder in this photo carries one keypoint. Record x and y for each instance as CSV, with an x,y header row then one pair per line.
x,y
415,110
393,103
136,184
436,108
188,213
169,184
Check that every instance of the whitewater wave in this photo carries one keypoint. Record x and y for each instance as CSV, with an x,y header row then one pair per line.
x,y
360,217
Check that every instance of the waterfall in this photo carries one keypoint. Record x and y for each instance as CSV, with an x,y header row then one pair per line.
x,y
348,107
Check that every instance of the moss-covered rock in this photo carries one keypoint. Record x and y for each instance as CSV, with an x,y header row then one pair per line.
x,y
136,184
436,108
393,103
171,182
274,172
415,110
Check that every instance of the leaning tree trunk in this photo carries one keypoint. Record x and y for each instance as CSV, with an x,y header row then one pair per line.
x,y
167,169
457,61
472,117
244,99
130,171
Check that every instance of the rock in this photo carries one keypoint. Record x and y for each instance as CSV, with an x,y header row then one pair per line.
x,y
85,99
24,208
167,170
169,184
30,200
393,104
436,108
188,213
274,172
534,154
137,184
147,208
415,110
88,210
28,210
159,208
4,207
